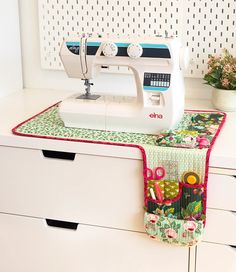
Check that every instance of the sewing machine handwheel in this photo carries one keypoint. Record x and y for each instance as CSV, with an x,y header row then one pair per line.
x,y
110,49
134,50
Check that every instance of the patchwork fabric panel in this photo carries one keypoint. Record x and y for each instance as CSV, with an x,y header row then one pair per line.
x,y
175,167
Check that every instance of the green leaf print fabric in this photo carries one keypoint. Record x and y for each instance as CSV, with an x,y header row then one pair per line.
x,y
175,168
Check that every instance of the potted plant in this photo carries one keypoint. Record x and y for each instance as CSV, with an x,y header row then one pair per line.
x,y
222,76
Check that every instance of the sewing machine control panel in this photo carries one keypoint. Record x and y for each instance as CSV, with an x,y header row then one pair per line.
x,y
158,81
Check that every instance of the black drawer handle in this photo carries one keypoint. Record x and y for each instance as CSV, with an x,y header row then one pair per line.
x,y
234,247
62,224
58,155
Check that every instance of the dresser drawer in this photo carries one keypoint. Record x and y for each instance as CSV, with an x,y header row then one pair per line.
x,y
220,227
90,189
221,192
217,258
29,244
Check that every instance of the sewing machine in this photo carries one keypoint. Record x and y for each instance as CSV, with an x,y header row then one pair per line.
x,y
157,65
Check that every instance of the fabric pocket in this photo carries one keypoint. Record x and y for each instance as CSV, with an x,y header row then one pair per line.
x,y
187,203
179,220
173,231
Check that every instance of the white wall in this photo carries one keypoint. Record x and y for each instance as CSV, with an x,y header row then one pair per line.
x,y
10,53
35,77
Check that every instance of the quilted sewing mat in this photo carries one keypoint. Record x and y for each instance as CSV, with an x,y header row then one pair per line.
x,y
175,168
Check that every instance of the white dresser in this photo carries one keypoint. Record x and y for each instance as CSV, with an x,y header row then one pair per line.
x,y
67,206
218,252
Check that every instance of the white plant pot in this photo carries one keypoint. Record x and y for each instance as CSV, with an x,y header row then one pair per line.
x,y
224,100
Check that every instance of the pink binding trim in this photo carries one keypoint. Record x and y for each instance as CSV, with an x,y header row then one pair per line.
x,y
140,148
159,177
207,164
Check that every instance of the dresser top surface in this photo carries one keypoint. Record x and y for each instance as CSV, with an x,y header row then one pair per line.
x,y
24,104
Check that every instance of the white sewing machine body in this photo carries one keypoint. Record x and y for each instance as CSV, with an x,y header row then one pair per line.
x,y
157,67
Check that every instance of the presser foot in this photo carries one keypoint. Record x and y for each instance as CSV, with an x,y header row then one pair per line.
x,y
88,96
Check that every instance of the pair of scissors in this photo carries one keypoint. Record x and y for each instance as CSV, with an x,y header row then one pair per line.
x,y
157,174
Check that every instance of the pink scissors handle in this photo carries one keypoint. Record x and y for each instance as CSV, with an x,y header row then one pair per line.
x,y
149,174
160,172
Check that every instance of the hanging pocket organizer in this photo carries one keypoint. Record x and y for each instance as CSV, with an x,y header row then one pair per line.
x,y
174,210
175,168
175,181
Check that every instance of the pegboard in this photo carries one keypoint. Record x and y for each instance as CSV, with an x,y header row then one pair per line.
x,y
208,28
205,26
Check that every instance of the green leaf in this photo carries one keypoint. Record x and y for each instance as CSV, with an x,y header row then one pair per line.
x,y
197,231
184,213
161,219
194,208
162,230
169,211
197,208
216,74
207,78
163,235
178,226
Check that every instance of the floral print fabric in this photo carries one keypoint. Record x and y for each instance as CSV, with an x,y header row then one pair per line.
x,y
176,213
197,132
173,231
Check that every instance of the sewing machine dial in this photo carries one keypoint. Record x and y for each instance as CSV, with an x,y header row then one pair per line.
x,y
110,49
135,50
